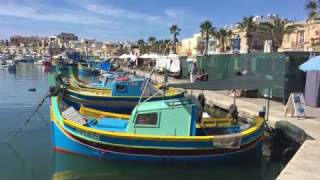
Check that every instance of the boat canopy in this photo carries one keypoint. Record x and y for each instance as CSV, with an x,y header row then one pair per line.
x,y
241,82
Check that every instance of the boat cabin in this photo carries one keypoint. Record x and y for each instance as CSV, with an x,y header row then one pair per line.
x,y
126,86
176,117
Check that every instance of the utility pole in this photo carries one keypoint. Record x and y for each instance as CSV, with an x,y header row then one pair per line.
x,y
87,49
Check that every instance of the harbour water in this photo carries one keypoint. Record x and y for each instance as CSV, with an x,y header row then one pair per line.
x,y
30,155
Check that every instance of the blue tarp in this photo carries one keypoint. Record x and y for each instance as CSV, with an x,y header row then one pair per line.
x,y
312,64
105,66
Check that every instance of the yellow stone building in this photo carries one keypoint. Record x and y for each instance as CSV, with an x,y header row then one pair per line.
x,y
305,38
194,45
188,46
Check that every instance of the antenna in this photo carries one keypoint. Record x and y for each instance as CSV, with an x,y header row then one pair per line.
x,y
166,80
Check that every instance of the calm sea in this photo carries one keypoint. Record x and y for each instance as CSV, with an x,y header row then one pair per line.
x,y
30,155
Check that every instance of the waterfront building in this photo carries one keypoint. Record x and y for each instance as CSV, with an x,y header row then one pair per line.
x,y
257,42
27,41
305,38
66,37
194,45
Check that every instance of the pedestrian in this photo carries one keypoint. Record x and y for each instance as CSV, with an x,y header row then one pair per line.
x,y
193,73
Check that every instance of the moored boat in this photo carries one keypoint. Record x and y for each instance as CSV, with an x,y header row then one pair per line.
x,y
10,65
46,63
39,62
84,69
166,130
120,95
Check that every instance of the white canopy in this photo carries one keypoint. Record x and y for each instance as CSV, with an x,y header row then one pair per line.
x,y
153,56
170,62
150,56
132,57
123,56
144,56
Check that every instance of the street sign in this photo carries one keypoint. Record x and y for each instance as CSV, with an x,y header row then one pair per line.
x,y
295,106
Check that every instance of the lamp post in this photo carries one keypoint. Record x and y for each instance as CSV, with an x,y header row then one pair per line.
x,y
87,49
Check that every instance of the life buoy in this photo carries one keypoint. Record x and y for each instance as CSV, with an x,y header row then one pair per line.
x,y
233,111
202,100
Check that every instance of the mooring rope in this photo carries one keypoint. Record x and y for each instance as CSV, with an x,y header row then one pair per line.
x,y
43,118
28,119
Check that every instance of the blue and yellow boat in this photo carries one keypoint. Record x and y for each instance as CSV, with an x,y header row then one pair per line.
x,y
166,130
85,69
119,95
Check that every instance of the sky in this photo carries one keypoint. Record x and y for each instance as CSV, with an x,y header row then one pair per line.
x,y
119,20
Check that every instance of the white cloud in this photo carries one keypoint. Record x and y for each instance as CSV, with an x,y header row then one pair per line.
x,y
121,13
177,16
27,12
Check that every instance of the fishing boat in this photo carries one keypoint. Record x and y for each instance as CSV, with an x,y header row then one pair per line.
x,y
20,58
165,130
39,62
120,94
84,69
65,60
10,65
46,63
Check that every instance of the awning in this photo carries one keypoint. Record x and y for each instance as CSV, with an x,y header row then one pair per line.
x,y
312,64
228,84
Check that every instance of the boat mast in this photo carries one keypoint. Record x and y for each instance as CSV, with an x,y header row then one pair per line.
x,y
146,84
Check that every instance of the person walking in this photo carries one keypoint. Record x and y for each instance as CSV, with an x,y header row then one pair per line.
x,y
193,73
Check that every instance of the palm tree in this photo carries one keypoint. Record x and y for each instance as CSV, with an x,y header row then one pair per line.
x,y
276,30
206,29
174,30
312,8
152,41
249,27
142,46
222,35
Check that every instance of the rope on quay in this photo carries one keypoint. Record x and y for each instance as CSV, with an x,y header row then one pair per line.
x,y
28,119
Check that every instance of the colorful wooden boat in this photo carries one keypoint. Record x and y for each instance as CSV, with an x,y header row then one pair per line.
x,y
164,130
120,95
85,70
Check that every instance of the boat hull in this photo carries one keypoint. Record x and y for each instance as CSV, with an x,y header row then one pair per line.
x,y
46,63
63,142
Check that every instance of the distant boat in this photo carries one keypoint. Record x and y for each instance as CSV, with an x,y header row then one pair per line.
x,y
84,69
46,63
19,58
3,61
39,62
10,65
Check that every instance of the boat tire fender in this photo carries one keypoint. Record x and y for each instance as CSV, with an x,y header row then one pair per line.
x,y
202,100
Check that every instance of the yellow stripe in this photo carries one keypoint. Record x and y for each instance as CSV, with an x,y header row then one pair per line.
x,y
98,114
150,137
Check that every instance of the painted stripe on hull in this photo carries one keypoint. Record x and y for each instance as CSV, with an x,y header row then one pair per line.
x,y
61,140
165,144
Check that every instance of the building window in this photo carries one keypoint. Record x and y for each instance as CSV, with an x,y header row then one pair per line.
x,y
301,38
147,119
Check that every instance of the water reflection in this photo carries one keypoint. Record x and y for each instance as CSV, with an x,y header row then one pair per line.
x,y
69,166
